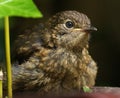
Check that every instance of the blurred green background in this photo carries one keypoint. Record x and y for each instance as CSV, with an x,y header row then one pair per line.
x,y
104,44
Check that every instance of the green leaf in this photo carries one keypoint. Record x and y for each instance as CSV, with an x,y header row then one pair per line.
x,y
24,8
86,89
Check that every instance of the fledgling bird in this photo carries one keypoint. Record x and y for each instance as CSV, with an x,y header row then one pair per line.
x,y
54,57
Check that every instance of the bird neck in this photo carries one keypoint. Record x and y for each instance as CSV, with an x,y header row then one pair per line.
x,y
78,50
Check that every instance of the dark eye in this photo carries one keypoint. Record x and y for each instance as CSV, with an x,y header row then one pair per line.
x,y
69,24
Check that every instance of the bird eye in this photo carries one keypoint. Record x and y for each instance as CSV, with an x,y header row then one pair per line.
x,y
69,24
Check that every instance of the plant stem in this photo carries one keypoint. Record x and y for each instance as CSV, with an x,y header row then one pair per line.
x,y
1,85
8,59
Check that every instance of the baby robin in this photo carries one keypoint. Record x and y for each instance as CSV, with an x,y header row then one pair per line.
x,y
54,57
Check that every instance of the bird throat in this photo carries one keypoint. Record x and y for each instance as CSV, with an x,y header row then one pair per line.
x,y
78,47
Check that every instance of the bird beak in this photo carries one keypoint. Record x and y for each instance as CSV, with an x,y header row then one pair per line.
x,y
89,29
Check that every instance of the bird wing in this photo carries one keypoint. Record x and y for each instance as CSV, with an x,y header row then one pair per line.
x,y
26,44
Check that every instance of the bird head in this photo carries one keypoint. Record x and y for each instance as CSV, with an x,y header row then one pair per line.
x,y
70,29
